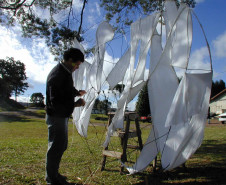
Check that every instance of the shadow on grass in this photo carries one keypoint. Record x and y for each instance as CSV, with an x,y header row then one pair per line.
x,y
33,114
211,172
20,116
193,176
13,118
213,149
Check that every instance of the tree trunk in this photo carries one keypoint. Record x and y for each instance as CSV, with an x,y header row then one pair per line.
x,y
16,94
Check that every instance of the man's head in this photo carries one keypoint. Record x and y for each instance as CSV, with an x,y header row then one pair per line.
x,y
73,58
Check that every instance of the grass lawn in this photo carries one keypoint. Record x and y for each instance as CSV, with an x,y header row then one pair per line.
x,y
23,145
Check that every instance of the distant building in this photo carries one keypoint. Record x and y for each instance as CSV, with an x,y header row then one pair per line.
x,y
218,103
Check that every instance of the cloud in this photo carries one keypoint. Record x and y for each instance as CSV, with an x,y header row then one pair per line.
x,y
33,53
216,74
77,4
97,8
31,86
199,60
91,19
220,46
21,98
42,13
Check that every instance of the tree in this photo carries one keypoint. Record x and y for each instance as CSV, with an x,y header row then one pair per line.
x,y
13,76
123,12
105,105
4,89
97,101
102,105
37,99
142,105
217,87
58,36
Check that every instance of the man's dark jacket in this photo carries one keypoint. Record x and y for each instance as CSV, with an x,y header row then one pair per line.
x,y
60,92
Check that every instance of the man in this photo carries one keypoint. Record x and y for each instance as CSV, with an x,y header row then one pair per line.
x,y
60,104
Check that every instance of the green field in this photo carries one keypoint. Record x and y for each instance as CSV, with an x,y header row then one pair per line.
x,y
23,144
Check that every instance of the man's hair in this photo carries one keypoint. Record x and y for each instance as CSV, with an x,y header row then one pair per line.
x,y
75,54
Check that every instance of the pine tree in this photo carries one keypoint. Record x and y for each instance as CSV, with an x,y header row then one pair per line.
x,y
142,105
217,87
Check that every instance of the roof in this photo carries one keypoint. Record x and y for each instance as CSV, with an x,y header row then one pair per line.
x,y
217,95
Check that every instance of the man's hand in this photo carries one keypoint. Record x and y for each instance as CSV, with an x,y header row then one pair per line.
x,y
80,102
82,92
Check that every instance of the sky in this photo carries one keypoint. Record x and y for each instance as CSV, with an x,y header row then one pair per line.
x,y
35,54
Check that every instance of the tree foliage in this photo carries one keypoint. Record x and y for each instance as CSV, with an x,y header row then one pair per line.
x,y
119,88
142,105
123,12
4,89
103,105
37,99
59,36
13,77
217,87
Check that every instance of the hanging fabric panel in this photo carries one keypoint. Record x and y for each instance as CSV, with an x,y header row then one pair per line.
x,y
186,134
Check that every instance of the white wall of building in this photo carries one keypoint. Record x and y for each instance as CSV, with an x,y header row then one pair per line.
x,y
218,105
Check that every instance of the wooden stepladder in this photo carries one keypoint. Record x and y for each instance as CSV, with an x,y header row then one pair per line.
x,y
124,136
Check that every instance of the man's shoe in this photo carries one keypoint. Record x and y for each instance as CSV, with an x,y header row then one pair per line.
x,y
60,180
56,181
62,177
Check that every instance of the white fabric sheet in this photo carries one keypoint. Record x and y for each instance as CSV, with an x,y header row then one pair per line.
x,y
141,30
94,79
182,40
187,118
178,113
117,74
178,110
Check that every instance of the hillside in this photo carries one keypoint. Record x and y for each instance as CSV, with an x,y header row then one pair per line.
x,y
10,105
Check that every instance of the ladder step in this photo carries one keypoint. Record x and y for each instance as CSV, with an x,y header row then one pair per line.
x,y
131,134
112,154
133,147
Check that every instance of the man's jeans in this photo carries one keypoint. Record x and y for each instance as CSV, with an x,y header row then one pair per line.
x,y
57,144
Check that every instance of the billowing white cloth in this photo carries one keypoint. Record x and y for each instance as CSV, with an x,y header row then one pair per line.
x,y
179,110
182,39
141,31
79,77
77,45
145,27
187,118
162,86
93,78
117,74
169,15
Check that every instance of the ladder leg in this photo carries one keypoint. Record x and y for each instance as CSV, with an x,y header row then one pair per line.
x,y
104,160
125,141
139,134
106,148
